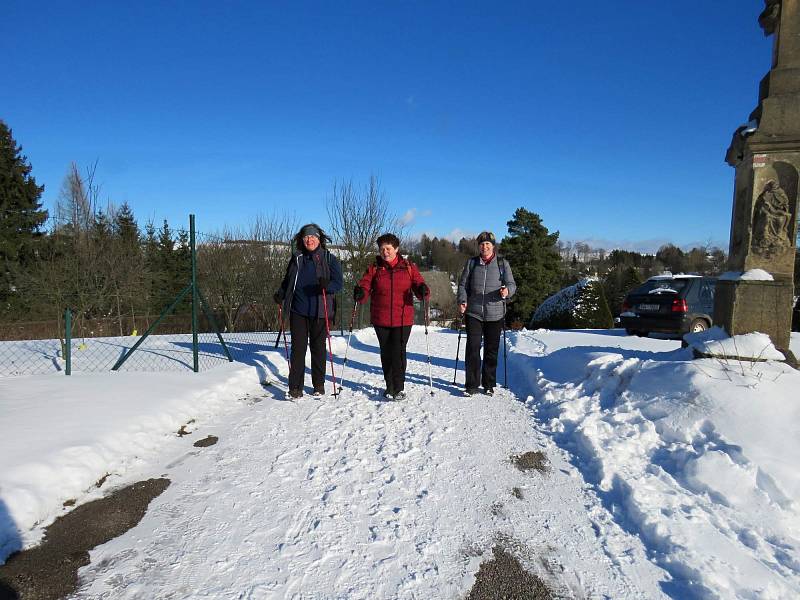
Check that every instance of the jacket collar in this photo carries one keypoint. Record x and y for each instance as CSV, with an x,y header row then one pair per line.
x,y
401,262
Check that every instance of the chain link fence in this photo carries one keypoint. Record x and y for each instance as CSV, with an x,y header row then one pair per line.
x,y
131,307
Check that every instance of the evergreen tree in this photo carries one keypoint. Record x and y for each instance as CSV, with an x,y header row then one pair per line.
x,y
21,216
152,264
591,310
182,269
533,254
163,269
125,226
101,228
130,288
620,280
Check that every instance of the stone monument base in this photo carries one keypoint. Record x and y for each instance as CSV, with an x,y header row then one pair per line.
x,y
743,306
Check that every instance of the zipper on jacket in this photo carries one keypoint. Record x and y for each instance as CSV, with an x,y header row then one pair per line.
x,y
391,297
483,304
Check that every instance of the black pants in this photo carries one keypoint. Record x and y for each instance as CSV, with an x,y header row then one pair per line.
x,y
393,341
303,330
490,332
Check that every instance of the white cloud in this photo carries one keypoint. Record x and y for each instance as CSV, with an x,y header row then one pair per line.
x,y
456,234
410,216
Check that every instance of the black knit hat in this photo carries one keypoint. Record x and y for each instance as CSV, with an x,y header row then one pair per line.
x,y
486,236
310,229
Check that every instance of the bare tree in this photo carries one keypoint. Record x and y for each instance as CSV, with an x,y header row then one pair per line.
x,y
357,217
77,201
240,269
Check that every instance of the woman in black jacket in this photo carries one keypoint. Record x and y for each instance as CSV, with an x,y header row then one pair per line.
x,y
311,270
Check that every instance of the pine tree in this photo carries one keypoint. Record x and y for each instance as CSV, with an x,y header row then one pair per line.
x,y
125,226
153,273
21,216
532,252
591,310
101,228
130,287
620,280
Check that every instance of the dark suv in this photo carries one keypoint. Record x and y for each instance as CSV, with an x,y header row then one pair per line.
x,y
669,304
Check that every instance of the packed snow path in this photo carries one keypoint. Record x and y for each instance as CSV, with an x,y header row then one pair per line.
x,y
356,497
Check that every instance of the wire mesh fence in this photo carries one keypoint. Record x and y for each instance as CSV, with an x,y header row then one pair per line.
x,y
40,347
117,293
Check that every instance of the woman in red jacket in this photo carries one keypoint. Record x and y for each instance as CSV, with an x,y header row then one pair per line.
x,y
392,282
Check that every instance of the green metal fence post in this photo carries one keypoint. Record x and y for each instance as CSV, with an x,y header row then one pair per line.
x,y
68,341
195,299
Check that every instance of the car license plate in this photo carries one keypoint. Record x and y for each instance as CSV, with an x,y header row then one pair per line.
x,y
649,307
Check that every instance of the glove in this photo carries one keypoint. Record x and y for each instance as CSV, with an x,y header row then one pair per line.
x,y
323,282
424,290
358,293
278,297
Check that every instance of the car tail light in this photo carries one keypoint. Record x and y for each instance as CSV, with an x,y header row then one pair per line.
x,y
626,306
679,305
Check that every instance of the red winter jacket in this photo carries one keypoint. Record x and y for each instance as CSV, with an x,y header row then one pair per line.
x,y
391,289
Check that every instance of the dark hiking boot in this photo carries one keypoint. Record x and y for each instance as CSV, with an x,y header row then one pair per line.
x,y
388,394
470,391
401,395
294,394
318,392
489,391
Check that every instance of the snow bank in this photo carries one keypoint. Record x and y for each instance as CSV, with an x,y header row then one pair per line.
x,y
715,342
697,457
751,275
67,436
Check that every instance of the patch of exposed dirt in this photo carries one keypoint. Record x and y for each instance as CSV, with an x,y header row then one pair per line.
x,y
206,442
527,461
50,570
503,578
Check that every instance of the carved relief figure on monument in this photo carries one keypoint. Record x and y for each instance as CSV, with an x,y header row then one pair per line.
x,y
771,221
770,16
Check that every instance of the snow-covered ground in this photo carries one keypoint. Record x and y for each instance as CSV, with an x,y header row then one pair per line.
x,y
669,477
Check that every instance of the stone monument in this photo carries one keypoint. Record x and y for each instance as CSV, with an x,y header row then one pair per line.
x,y
766,155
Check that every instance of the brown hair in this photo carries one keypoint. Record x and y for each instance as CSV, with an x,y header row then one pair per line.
x,y
388,238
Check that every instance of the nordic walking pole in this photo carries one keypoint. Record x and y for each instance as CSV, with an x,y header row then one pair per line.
x,y
427,343
505,353
350,335
458,346
330,344
283,331
280,327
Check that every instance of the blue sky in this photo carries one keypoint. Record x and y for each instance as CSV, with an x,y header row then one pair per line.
x,y
609,119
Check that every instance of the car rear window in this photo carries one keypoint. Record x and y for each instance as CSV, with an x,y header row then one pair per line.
x,y
661,286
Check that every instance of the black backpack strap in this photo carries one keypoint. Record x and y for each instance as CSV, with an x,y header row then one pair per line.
x,y
473,262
